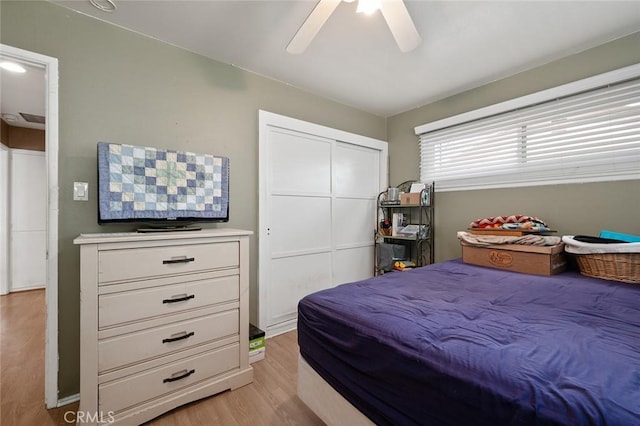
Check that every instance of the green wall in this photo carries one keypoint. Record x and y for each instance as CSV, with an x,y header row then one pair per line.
x,y
118,86
572,208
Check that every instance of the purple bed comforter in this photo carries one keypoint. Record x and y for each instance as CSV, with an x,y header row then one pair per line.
x,y
458,344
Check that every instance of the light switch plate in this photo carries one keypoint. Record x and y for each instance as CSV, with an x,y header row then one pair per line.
x,y
80,191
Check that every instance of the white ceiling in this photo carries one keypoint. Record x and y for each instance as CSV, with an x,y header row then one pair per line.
x,y
354,59
24,93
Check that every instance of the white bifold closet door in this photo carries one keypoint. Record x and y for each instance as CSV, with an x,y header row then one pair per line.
x,y
318,218
28,218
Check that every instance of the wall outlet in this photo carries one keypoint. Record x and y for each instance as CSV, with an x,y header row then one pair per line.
x,y
80,191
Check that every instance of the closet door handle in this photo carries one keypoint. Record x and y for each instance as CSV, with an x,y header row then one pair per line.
x,y
179,299
182,260
185,335
182,376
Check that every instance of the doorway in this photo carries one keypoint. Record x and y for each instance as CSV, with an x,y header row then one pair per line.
x,y
50,66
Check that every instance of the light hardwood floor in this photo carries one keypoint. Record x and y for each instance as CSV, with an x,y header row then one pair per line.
x,y
270,400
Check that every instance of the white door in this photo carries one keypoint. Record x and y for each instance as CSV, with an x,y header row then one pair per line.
x,y
28,238
356,185
4,219
317,213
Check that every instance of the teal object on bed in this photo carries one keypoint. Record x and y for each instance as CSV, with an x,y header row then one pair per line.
x,y
622,237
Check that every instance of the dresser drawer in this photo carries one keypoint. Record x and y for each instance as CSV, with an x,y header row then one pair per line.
x,y
120,394
138,263
134,305
139,346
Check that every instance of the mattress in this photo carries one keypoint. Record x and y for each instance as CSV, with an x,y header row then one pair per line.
x,y
459,344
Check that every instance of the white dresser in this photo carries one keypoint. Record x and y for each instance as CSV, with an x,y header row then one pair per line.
x,y
164,321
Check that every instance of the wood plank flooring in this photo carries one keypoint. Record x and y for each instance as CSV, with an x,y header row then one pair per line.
x,y
270,400
22,326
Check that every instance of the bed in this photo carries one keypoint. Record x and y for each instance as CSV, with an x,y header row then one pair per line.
x,y
456,344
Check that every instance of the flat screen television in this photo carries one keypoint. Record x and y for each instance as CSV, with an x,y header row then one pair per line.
x,y
162,189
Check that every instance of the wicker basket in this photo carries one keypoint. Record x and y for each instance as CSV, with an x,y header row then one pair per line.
x,y
623,267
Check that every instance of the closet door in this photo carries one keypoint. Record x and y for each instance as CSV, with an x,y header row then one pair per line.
x,y
300,221
28,220
355,176
317,215
4,219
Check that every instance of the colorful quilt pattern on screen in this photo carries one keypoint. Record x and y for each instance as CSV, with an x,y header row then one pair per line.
x,y
139,182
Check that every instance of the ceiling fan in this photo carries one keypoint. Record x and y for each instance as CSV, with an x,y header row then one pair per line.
x,y
394,12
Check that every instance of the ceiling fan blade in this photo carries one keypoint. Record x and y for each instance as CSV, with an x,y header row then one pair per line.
x,y
400,24
312,25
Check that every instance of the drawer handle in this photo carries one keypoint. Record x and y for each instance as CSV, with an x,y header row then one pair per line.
x,y
182,376
182,260
185,335
179,299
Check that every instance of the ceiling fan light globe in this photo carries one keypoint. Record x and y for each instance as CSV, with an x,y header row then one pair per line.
x,y
368,6
394,12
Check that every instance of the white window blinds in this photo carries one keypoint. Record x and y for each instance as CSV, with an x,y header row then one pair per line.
x,y
589,136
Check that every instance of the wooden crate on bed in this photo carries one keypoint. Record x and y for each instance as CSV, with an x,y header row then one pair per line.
x,y
538,260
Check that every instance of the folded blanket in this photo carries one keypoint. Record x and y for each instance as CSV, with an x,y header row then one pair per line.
x,y
516,221
487,240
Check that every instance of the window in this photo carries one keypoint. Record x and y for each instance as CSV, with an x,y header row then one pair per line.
x,y
577,135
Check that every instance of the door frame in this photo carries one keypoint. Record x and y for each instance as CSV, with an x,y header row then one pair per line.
x,y
50,65
268,120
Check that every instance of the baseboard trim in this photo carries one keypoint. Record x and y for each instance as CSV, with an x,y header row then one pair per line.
x,y
281,328
68,400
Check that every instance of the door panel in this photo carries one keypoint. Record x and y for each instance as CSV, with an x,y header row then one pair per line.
x,y
292,278
355,222
353,264
356,171
300,163
28,260
300,224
